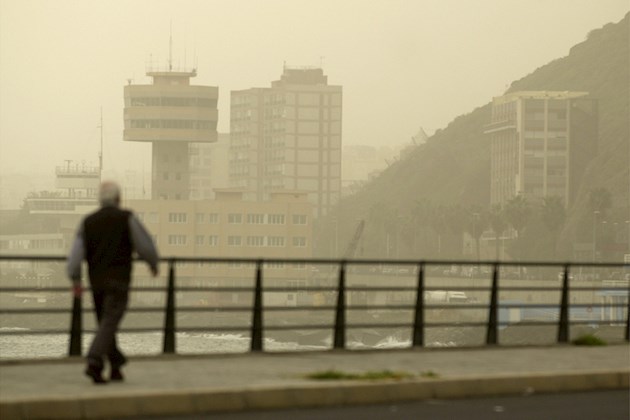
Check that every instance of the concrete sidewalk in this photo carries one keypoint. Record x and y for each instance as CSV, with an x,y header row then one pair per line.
x,y
170,385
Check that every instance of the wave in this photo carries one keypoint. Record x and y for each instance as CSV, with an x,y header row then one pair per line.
x,y
391,342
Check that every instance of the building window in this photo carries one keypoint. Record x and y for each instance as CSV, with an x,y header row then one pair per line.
x,y
299,219
255,219
276,219
274,265
299,241
153,217
213,218
275,241
199,240
234,241
177,218
177,240
200,218
213,240
235,218
255,240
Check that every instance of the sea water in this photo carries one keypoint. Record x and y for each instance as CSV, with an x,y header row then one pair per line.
x,y
37,346
27,346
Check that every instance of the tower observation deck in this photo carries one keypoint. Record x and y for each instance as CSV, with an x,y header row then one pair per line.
x,y
170,113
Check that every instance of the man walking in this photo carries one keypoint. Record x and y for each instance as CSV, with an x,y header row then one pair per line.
x,y
107,239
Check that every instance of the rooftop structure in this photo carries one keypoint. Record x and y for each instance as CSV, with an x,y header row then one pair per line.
x,y
171,114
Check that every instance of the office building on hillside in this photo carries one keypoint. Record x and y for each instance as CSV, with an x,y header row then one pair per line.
x,y
540,143
170,114
288,136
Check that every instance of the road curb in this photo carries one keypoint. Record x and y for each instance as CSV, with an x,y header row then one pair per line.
x,y
315,394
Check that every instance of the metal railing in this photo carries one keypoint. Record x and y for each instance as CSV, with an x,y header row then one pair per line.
x,y
340,326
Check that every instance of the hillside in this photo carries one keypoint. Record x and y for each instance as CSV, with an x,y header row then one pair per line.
x,y
453,167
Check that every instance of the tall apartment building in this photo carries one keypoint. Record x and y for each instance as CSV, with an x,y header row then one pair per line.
x,y
171,114
288,136
209,167
540,142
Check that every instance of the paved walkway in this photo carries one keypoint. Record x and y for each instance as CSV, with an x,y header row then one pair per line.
x,y
202,384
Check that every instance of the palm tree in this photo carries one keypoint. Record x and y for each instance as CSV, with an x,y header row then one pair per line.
x,y
553,215
498,224
600,200
476,222
517,213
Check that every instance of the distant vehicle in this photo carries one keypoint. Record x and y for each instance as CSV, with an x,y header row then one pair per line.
x,y
447,296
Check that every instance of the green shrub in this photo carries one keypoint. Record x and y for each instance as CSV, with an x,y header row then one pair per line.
x,y
588,340
332,374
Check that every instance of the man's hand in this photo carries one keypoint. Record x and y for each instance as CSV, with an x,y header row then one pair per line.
x,y
77,290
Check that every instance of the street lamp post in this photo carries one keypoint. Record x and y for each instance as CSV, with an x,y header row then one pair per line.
x,y
476,243
595,214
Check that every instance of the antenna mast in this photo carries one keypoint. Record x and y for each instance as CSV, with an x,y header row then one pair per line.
x,y
170,49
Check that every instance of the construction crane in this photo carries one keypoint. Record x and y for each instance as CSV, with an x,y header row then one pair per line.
x,y
354,242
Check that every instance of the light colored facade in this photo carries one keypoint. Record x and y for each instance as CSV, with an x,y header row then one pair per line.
x,y
288,136
76,195
170,113
228,226
209,167
539,140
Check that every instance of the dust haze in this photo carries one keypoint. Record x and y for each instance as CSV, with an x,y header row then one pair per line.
x,y
403,65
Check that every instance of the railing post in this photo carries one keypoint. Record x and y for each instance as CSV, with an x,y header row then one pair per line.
x,y
492,329
169,319
340,316
418,326
628,317
257,332
76,329
563,319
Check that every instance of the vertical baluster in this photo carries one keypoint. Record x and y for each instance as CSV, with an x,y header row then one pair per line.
x,y
418,326
76,329
492,329
257,325
563,319
340,316
169,319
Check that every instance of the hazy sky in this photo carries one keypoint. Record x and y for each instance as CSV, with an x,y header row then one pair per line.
x,y
402,64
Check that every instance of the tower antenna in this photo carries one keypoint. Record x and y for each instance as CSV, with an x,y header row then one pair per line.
x,y
170,49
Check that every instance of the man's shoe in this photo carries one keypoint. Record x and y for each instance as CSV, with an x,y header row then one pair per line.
x,y
95,373
116,375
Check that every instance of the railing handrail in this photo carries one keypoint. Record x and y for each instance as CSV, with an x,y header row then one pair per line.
x,y
341,307
353,261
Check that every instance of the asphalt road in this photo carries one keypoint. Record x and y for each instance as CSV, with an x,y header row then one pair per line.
x,y
609,405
